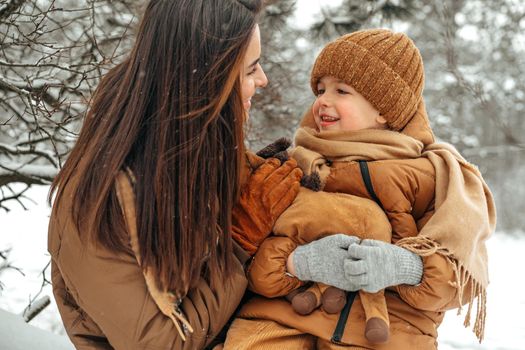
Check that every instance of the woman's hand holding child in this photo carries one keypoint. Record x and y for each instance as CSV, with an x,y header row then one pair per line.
x,y
269,191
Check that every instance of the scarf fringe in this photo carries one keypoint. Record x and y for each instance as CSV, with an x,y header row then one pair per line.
x,y
424,246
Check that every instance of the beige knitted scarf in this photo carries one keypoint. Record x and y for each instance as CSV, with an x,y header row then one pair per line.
x,y
166,301
465,214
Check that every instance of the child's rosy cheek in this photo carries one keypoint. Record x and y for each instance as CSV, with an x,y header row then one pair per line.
x,y
315,107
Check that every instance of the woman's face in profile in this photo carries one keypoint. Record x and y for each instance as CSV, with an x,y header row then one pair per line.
x,y
252,76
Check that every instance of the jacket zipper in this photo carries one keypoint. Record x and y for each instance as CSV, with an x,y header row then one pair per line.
x,y
343,317
350,296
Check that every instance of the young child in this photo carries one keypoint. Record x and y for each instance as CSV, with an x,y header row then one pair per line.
x,y
368,135
314,215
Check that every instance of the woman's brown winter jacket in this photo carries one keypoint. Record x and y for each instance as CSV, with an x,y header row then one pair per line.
x,y
105,303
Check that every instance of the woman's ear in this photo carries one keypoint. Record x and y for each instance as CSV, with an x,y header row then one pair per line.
x,y
381,120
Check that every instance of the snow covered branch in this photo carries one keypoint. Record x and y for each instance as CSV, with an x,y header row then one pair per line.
x,y
30,174
53,54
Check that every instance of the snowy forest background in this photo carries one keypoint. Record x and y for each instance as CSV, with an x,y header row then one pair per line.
x,y
52,54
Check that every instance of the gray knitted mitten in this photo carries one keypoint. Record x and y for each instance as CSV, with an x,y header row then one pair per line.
x,y
375,265
323,260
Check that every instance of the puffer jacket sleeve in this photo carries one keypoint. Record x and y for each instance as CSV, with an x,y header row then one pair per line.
x,y
267,274
434,292
81,329
437,291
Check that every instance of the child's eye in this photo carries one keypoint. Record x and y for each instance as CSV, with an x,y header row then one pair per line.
x,y
320,92
342,92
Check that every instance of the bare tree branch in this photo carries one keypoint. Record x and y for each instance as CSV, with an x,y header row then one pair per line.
x,y
6,265
53,54
11,7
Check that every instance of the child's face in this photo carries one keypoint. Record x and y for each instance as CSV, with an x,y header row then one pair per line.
x,y
339,107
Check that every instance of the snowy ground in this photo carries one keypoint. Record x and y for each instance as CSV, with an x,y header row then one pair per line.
x,y
26,233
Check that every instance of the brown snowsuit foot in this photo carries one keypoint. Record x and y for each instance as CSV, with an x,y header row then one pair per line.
x,y
333,300
304,301
330,299
376,330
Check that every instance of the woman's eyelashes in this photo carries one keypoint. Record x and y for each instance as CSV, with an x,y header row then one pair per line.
x,y
253,70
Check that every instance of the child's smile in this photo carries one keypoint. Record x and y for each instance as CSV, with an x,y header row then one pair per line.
x,y
327,120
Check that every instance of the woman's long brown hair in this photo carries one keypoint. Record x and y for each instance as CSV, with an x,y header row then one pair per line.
x,y
172,113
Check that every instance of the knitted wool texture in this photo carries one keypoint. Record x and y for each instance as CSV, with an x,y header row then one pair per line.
x,y
383,66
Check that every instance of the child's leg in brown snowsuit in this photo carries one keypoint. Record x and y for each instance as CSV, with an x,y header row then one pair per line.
x,y
377,321
374,304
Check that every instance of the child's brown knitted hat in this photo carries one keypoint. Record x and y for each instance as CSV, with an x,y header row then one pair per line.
x,y
383,66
